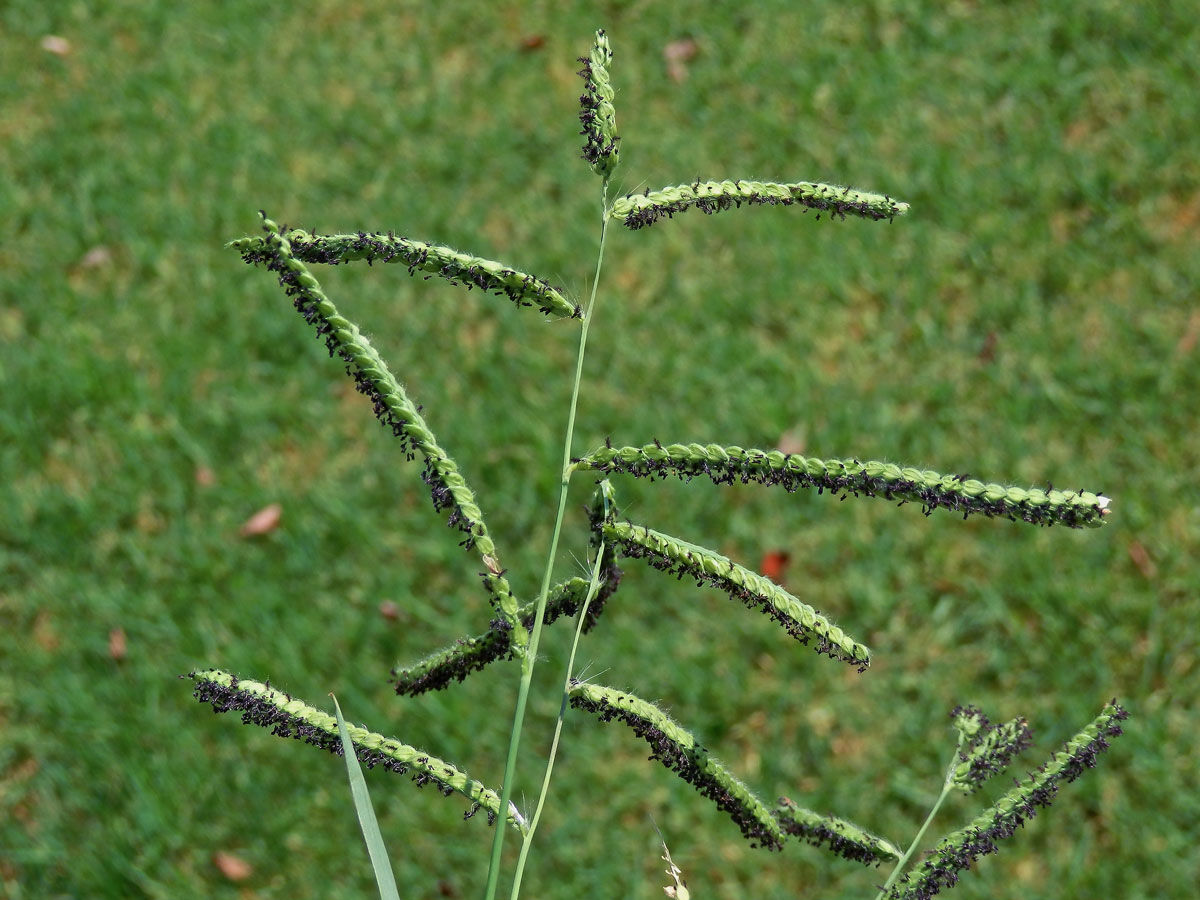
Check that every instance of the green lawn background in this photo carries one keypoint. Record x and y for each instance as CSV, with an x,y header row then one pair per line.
x,y
1033,318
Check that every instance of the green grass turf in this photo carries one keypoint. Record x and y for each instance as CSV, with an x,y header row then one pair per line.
x,y
1032,319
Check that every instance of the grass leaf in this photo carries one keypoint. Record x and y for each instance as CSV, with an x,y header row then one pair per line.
x,y
366,815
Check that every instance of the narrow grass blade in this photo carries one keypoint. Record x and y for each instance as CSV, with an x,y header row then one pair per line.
x,y
384,877
846,477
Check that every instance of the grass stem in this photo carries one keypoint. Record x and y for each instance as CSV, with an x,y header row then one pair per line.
x,y
916,842
530,657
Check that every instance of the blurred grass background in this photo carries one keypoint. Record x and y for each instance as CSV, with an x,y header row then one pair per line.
x,y
1032,319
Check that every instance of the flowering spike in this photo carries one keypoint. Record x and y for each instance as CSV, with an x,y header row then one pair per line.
x,y
727,464
677,749
844,838
472,654
261,704
417,256
987,749
956,852
597,113
641,210
448,489
680,558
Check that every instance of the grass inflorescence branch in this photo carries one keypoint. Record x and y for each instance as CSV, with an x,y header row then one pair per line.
x,y
840,836
956,852
472,654
986,748
846,477
597,114
260,704
434,259
644,209
677,749
448,489
680,558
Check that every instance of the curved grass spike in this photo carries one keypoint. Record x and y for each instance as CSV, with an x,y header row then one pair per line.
x,y
955,852
958,493
473,271
392,407
677,749
596,111
467,655
680,558
642,210
843,838
260,704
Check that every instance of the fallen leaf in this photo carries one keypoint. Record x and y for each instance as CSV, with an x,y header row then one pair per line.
x,y
1140,557
773,564
1187,343
95,258
533,42
987,352
59,46
116,644
678,54
44,633
232,867
263,521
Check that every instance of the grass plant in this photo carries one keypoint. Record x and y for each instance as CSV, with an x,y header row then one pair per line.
x,y
983,750
1031,317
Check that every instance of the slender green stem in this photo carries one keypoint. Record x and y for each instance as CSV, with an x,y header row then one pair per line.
x,y
916,842
527,840
530,658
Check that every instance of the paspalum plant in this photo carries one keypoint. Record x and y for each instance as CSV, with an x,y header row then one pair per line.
x,y
983,749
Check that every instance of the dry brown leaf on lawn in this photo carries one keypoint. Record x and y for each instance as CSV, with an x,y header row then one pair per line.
x,y
232,867
263,521
678,54
1140,557
117,647
53,43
